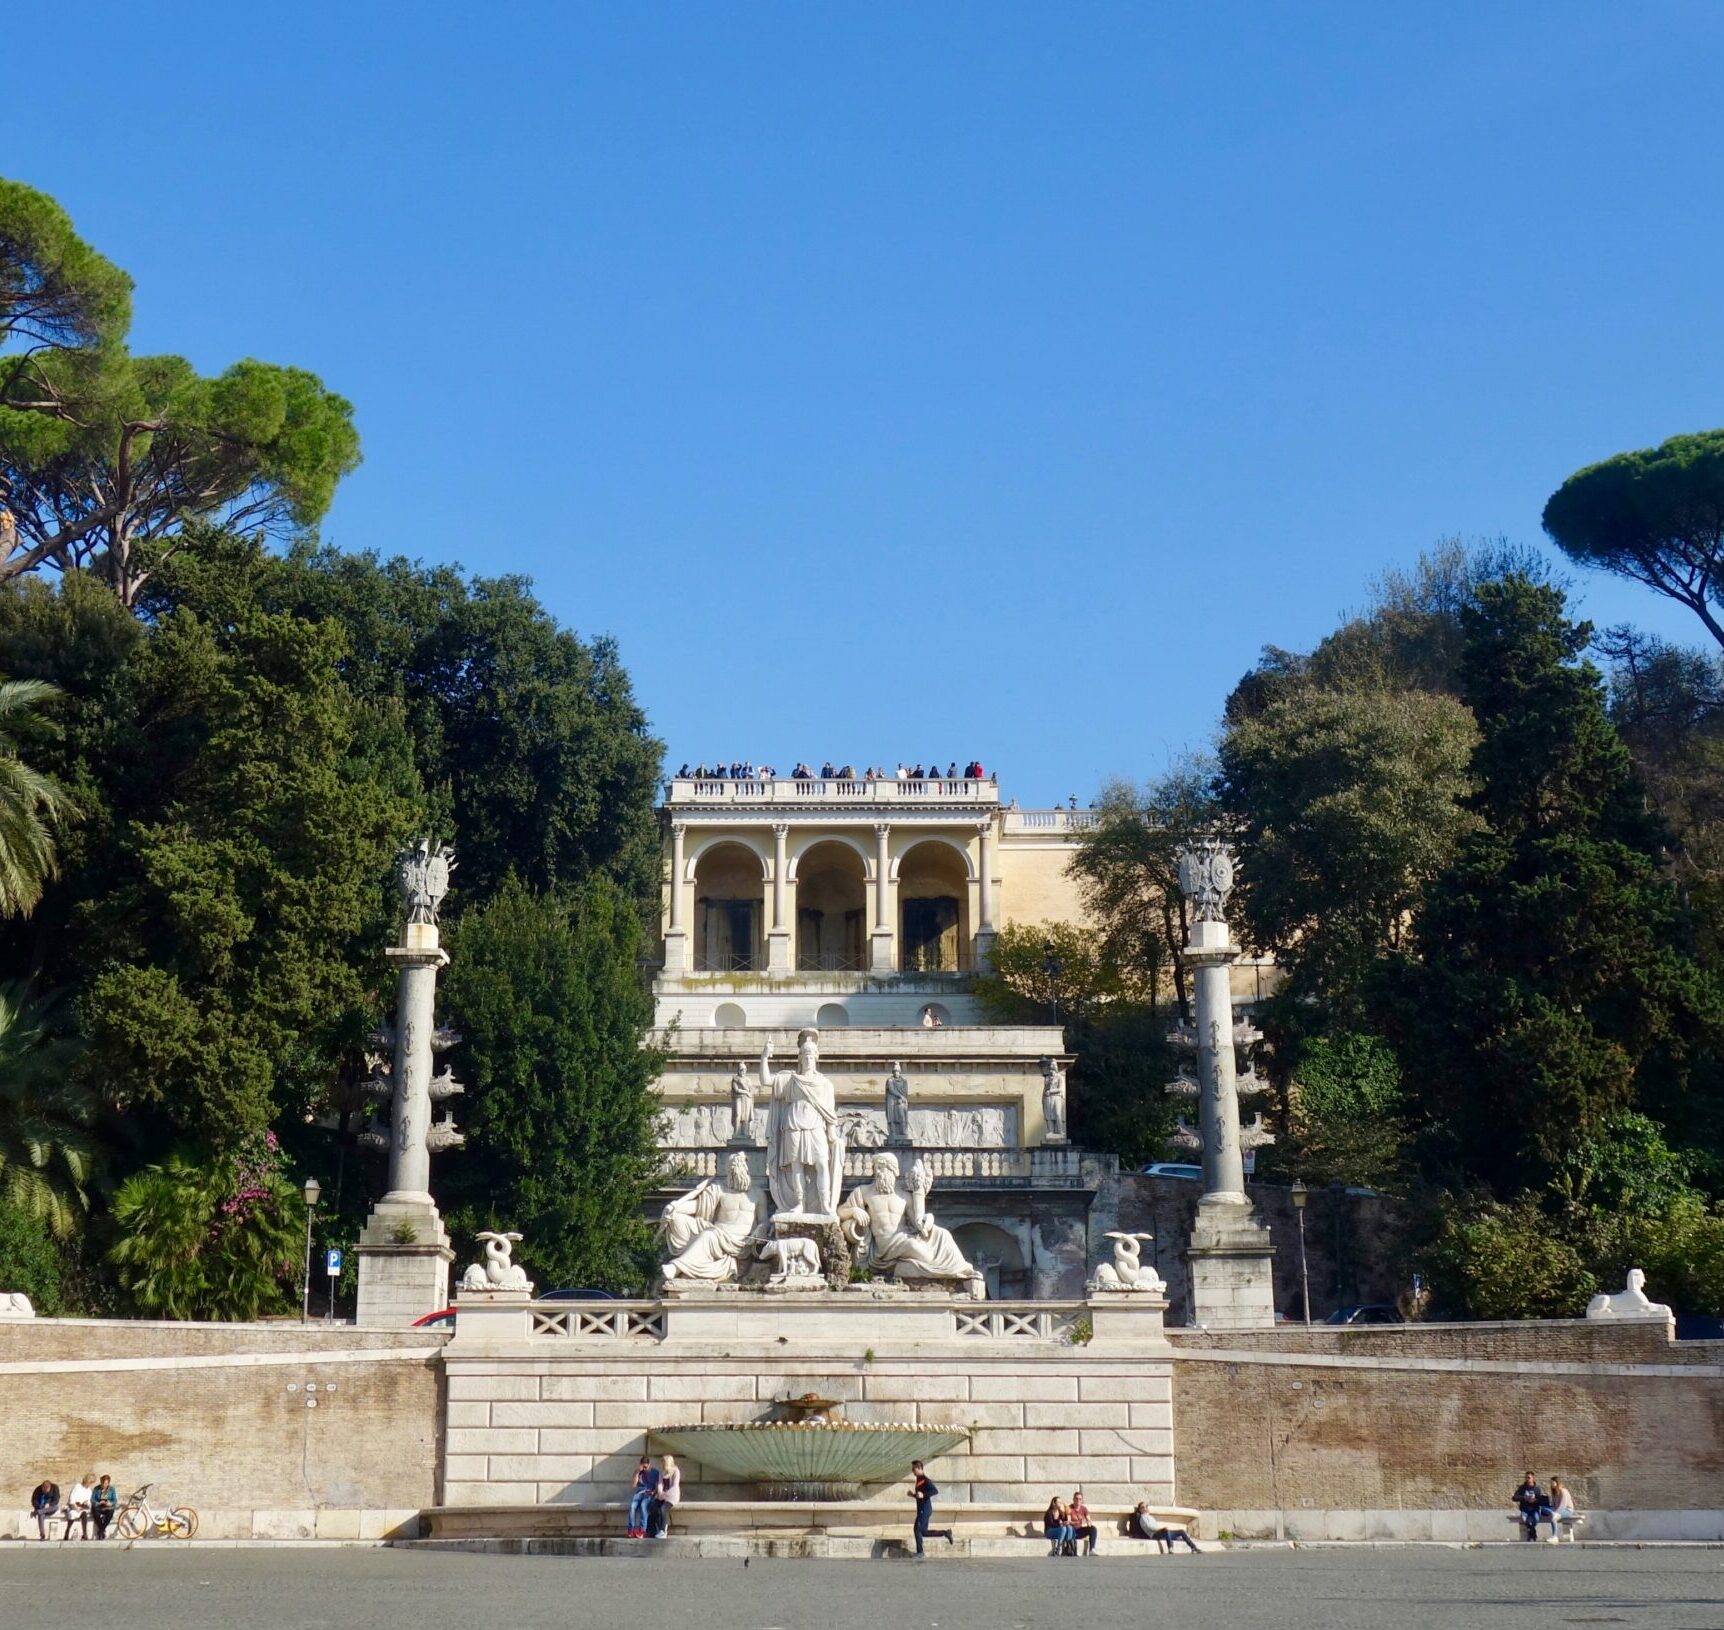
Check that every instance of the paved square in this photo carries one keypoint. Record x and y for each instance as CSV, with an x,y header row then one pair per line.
x,y
155,1588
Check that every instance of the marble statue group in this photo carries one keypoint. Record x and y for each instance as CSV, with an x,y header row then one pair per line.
x,y
718,1231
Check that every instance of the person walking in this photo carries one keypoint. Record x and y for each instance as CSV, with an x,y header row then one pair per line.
x,y
641,1499
923,1491
104,1501
44,1502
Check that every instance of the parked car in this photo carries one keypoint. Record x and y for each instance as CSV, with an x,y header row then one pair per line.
x,y
445,1320
1172,1168
1369,1313
586,1293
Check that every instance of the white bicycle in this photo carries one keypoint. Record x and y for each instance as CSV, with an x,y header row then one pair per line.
x,y
138,1519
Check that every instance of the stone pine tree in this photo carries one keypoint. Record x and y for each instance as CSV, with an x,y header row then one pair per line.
x,y
548,994
1548,977
1655,516
105,456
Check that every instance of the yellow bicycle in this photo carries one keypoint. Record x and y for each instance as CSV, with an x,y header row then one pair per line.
x,y
138,1519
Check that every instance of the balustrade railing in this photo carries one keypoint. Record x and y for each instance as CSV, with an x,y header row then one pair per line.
x,y
1021,1321
591,1321
831,790
1052,1168
643,1321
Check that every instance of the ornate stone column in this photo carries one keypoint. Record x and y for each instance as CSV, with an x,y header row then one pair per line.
x,y
985,893
778,939
676,935
1230,1255
403,1251
880,941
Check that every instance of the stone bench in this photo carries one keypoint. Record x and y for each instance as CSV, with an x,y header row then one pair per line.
x,y
842,1518
1561,1528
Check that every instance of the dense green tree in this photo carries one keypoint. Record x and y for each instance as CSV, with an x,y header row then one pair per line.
x,y
1127,871
536,758
106,456
1044,973
1547,975
1346,802
224,896
55,290
1656,517
32,1260
47,1145
1346,1120
553,1008
32,806
219,1238
1488,1259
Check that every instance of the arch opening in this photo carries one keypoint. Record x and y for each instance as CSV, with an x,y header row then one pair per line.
x,y
729,910
999,1257
933,910
831,910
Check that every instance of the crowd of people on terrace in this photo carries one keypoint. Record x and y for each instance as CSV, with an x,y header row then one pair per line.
x,y
747,770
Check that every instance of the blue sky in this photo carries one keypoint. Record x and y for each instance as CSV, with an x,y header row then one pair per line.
x,y
894,380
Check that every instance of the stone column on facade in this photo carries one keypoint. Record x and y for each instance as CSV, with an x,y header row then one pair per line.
x,y
985,894
880,941
1230,1256
676,935
403,1251
778,939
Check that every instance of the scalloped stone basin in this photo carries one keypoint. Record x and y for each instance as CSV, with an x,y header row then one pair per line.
x,y
811,1460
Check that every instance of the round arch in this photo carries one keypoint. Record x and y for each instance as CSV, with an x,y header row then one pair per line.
x,y
922,841
831,907
729,906
821,840
999,1255
934,930
720,840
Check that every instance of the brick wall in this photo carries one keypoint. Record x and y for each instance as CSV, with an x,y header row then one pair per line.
x,y
265,1430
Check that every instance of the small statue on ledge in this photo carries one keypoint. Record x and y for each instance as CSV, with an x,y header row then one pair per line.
x,y
897,1106
499,1270
1126,1272
741,1107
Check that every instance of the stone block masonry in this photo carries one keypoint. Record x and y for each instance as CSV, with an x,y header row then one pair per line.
x,y
1044,1411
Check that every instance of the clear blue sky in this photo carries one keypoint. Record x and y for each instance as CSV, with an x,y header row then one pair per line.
x,y
896,380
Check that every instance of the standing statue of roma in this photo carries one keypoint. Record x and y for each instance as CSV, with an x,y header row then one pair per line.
x,y
804,1140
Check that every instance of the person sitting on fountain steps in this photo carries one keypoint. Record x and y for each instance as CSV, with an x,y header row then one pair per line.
x,y
922,1491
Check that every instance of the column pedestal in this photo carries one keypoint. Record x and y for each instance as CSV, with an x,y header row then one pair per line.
x,y
404,1256
1230,1259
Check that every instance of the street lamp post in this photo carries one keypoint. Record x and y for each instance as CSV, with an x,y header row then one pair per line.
x,y
1299,1198
312,1190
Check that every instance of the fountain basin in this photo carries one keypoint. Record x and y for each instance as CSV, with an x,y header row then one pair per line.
x,y
811,1460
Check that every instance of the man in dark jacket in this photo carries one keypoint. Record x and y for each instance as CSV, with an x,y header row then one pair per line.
x,y
44,1502
922,1491
1529,1497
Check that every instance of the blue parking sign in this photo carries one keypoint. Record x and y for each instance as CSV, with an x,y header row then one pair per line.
x,y
332,1264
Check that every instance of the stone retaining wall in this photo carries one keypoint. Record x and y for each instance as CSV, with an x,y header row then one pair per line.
x,y
1422,1432
272,1430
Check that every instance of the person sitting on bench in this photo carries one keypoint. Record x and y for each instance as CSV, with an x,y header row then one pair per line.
x,y
1142,1525
1561,1508
1530,1500
1058,1528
